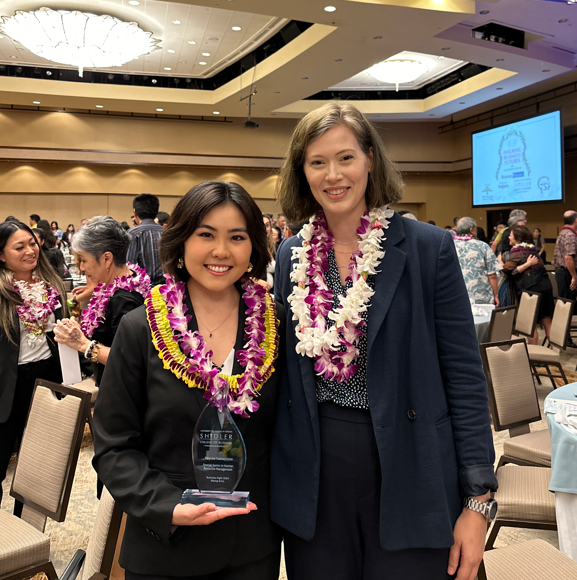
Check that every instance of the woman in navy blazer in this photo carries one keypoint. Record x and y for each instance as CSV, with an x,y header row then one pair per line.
x,y
369,475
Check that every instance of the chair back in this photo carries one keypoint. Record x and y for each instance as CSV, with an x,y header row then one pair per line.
x,y
561,323
102,544
68,285
512,394
49,452
553,280
502,321
527,313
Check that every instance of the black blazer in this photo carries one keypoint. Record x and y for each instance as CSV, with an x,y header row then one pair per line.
x,y
427,394
143,423
9,353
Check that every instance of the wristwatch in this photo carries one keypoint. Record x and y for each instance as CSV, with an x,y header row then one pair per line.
x,y
487,508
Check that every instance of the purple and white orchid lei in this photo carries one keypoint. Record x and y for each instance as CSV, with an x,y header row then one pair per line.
x,y
238,392
463,238
336,348
40,302
93,315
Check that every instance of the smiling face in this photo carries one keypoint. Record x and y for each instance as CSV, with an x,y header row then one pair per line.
x,y
512,239
337,171
20,253
218,252
97,271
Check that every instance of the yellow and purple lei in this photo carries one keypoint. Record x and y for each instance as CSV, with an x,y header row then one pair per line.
x,y
186,355
93,315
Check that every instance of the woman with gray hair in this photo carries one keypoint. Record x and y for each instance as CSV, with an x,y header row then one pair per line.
x,y
100,249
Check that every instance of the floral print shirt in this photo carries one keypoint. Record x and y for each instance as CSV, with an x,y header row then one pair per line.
x,y
477,261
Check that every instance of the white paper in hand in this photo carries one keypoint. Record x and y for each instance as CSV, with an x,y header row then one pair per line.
x,y
70,365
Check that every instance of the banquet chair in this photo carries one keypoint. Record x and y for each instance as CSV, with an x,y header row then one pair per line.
x,y
88,385
96,562
527,313
524,500
501,325
513,403
531,560
43,478
541,356
553,280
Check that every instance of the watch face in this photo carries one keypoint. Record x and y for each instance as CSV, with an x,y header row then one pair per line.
x,y
492,510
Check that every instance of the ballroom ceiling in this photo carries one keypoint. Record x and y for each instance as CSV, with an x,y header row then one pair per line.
x,y
332,54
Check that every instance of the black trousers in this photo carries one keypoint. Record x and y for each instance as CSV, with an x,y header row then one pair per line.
x,y
346,543
563,279
266,569
11,430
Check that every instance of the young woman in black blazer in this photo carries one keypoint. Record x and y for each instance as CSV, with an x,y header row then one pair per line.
x,y
151,397
32,299
383,428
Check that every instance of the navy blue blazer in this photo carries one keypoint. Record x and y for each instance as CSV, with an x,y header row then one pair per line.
x,y
427,393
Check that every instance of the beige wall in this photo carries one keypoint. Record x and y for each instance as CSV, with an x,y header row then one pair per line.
x,y
68,192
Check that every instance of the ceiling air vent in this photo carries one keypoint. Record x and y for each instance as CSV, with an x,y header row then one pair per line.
x,y
493,32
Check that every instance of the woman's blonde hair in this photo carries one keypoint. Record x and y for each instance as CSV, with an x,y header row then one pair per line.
x,y
385,183
9,298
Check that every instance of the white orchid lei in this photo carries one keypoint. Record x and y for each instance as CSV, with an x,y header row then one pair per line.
x,y
335,348
39,302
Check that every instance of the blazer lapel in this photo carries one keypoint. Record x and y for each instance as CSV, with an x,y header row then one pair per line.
x,y
387,280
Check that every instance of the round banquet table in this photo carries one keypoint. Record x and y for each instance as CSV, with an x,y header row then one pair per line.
x,y
482,327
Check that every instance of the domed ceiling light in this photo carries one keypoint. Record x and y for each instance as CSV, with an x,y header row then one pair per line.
x,y
78,38
398,71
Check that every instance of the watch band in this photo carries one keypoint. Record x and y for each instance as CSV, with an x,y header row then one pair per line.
x,y
488,509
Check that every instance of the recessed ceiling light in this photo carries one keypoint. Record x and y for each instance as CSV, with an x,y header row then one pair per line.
x,y
133,2
181,62
160,110
191,42
202,62
212,38
35,102
440,57
206,54
167,68
99,106
153,81
171,51
216,112
330,8
236,28
48,73
176,22
13,57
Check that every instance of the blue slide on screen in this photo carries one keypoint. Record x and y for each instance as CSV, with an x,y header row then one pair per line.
x,y
519,163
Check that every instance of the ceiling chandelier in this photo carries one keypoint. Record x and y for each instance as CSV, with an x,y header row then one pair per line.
x,y
398,71
77,38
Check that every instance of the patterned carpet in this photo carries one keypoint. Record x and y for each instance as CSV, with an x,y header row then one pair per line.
x,y
75,531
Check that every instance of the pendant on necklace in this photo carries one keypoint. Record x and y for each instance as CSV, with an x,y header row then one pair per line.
x,y
210,336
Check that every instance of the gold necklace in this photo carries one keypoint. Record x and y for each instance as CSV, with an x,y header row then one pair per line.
x,y
225,319
345,243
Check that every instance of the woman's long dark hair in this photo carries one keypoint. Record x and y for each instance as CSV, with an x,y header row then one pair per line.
x,y
9,298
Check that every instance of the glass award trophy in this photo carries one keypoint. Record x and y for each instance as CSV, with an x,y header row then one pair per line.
x,y
219,459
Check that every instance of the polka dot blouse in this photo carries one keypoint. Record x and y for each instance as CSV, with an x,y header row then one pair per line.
x,y
351,393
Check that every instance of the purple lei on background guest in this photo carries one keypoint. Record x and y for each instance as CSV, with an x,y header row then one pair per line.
x,y
94,314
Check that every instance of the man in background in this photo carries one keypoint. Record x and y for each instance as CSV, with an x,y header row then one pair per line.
x,y
478,264
83,223
144,237
162,218
34,219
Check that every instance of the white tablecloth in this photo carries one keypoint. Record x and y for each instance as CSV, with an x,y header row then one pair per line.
x,y
482,327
